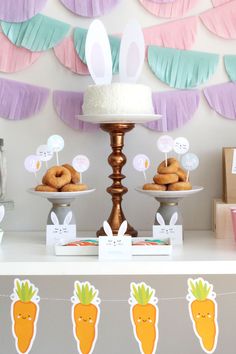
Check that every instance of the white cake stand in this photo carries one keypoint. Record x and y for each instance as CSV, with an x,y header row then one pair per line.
x,y
61,202
117,126
169,202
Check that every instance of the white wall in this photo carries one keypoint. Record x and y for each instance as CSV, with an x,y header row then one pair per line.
x,y
207,132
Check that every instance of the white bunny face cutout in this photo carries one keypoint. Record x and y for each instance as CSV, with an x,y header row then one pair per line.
x,y
59,233
121,232
2,213
99,57
172,231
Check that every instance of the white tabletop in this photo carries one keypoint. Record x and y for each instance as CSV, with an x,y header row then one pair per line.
x,y
26,254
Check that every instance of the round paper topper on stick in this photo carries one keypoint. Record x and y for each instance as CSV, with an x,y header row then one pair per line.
x,y
141,162
190,162
181,146
165,143
32,163
81,163
56,143
44,153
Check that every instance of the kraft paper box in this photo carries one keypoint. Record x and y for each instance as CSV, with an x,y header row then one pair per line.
x,y
222,222
229,174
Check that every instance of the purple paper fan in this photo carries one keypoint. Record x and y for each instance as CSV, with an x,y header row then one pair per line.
x,y
68,106
222,99
90,8
20,10
176,108
19,101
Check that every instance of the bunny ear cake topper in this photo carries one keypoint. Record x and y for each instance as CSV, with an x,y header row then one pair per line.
x,y
132,53
98,54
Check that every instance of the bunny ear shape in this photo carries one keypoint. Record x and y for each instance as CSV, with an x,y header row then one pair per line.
x,y
2,212
160,219
132,53
98,54
122,229
54,218
174,219
68,218
107,229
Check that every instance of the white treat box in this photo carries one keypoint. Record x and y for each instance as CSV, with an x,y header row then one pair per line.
x,y
1,235
141,246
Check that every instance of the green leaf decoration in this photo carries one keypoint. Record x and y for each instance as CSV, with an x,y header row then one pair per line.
x,y
38,34
80,35
142,294
200,289
180,68
25,291
230,66
85,293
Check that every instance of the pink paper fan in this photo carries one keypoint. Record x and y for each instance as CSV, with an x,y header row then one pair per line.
x,y
221,20
179,34
161,1
222,99
90,8
176,108
68,106
67,55
13,58
219,2
169,10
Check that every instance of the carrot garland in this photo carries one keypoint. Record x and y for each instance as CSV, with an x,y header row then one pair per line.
x,y
24,314
85,316
203,312
144,316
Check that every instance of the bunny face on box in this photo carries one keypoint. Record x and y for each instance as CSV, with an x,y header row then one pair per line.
x,y
60,233
116,99
2,214
172,231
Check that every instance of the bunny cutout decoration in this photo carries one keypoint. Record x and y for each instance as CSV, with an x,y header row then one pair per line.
x,y
115,247
60,233
172,231
2,214
99,57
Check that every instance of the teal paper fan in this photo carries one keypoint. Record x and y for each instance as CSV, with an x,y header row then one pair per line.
x,y
80,35
38,34
230,66
181,68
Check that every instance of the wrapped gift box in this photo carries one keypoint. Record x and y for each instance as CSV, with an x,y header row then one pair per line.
x,y
222,223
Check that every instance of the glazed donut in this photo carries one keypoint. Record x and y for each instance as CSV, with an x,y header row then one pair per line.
x,y
172,166
43,188
74,187
182,175
180,186
75,176
57,177
154,187
167,178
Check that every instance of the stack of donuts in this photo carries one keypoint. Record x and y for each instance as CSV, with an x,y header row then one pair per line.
x,y
170,177
61,179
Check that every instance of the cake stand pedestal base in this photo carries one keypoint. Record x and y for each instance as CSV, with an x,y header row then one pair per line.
x,y
117,160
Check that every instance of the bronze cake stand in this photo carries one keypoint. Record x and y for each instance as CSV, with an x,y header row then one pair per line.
x,y
117,128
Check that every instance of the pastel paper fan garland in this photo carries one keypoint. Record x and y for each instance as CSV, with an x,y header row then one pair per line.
x,y
181,69
177,8
19,100
67,55
161,1
179,34
20,10
38,34
90,8
68,106
230,66
176,108
12,58
221,20
219,2
222,99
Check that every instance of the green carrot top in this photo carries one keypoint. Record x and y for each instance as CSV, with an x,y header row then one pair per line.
x,y
142,293
85,293
25,291
200,289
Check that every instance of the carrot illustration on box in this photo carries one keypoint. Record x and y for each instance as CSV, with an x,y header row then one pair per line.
x,y
24,314
85,316
203,312
144,316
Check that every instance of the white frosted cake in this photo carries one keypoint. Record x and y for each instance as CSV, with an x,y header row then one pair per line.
x,y
118,98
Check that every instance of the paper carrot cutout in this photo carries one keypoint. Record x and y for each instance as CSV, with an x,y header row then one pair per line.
x,y
203,313
144,316
24,314
85,316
